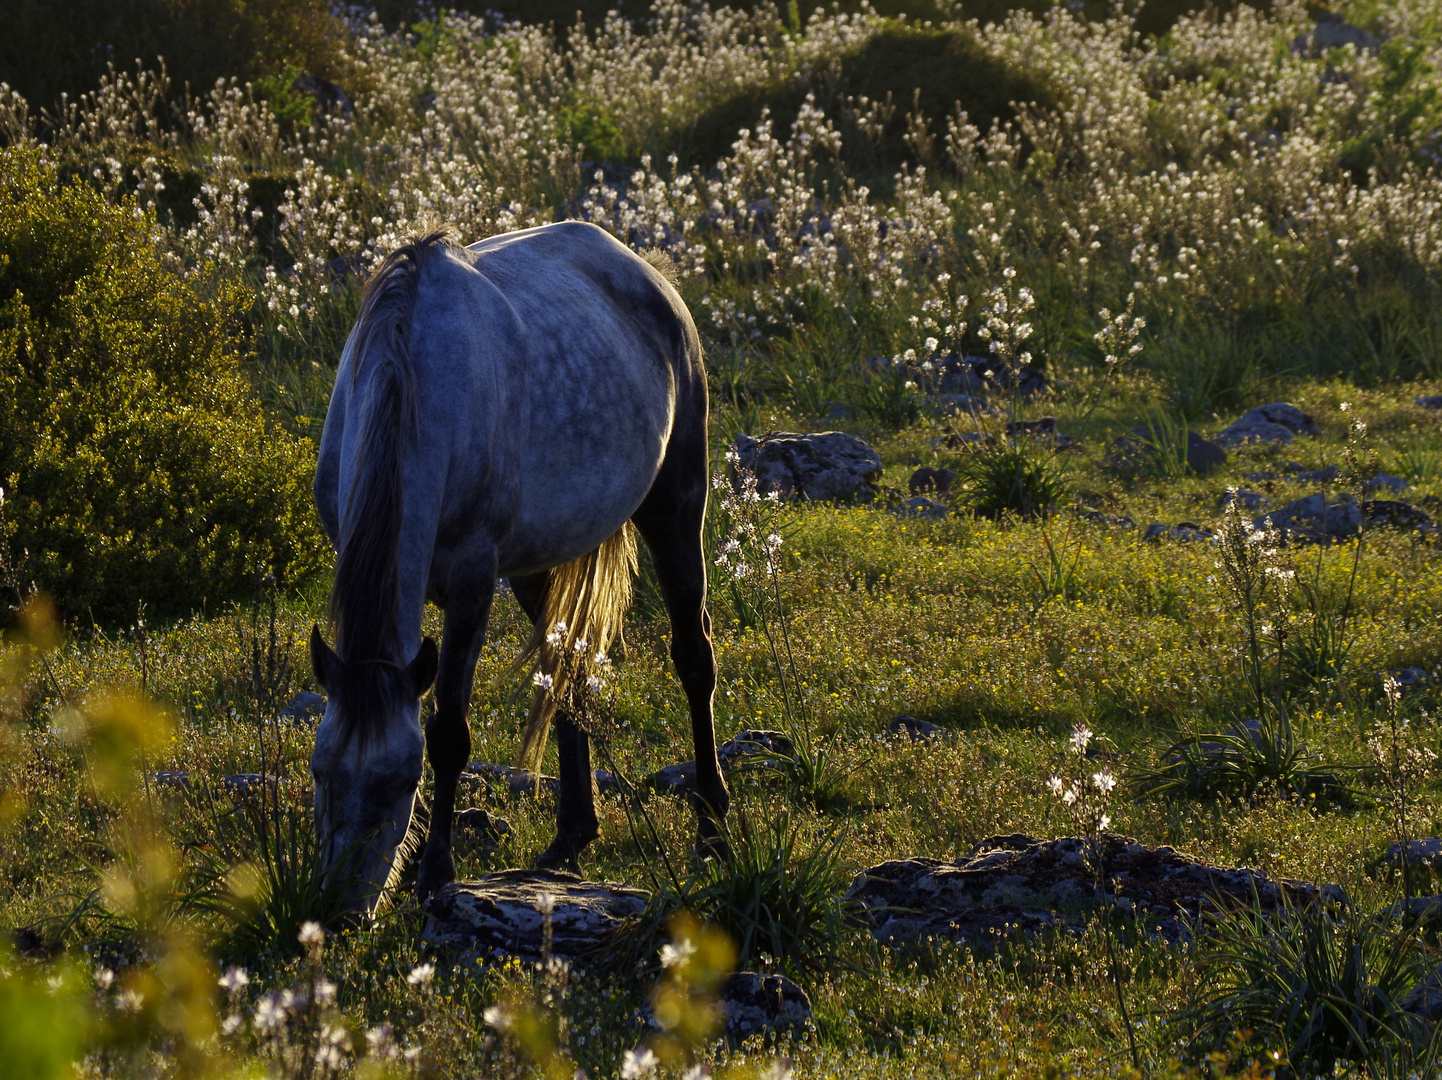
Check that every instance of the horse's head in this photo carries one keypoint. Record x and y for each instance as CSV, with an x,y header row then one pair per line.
x,y
367,763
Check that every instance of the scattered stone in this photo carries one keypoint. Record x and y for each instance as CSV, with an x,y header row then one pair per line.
x,y
1325,475
915,730
1045,428
1410,676
1414,908
919,506
766,1005
504,914
171,778
1203,455
480,827
1182,530
1396,513
1111,521
1428,401
1259,477
957,440
674,779
1278,422
1311,518
305,708
606,783
1333,32
515,781
247,783
749,749
1425,999
961,405
928,479
1384,482
1011,884
1247,500
950,373
818,466
1425,851
328,97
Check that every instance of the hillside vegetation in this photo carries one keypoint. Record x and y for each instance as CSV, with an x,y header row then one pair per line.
x,y
1151,226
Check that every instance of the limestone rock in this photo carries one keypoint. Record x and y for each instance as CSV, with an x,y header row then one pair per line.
x,y
928,479
1203,455
1278,422
751,748
480,827
1333,32
1383,482
509,778
1045,428
1424,851
1410,676
1311,517
1248,500
818,466
172,778
1396,513
1428,401
916,730
304,708
1182,530
961,405
1111,521
919,506
503,914
1011,884
764,1005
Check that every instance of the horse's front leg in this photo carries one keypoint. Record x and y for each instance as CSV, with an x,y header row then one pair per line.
x,y
448,736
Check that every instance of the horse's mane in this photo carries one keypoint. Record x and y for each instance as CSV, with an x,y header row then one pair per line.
x,y
365,602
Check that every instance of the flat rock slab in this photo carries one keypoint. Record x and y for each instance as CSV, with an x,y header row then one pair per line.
x,y
1017,884
503,914
812,465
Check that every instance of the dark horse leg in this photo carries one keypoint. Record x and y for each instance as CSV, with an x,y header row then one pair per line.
x,y
576,824
448,736
670,521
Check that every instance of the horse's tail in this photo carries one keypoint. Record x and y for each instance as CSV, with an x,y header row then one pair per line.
x,y
365,602
581,616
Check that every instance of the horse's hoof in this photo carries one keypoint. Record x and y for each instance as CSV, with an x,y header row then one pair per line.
x,y
550,860
430,879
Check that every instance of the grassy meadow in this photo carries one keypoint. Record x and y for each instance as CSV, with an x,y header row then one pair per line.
x,y
1173,220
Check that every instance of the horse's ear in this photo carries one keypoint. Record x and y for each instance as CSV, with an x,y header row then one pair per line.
x,y
421,671
324,663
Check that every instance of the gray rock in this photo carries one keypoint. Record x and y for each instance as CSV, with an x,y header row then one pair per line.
x,y
1247,500
247,783
1428,401
1311,517
961,405
1259,477
1425,999
1410,676
328,97
818,466
1384,482
750,748
606,783
1111,521
1414,908
1333,32
1044,428
919,506
765,1005
1182,530
1014,884
171,778
1326,475
1279,422
928,479
305,708
514,781
974,375
674,779
481,827
1424,851
840,411
1203,455
503,914
1396,513
915,730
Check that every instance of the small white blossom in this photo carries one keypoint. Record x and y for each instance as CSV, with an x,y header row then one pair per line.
x,y
421,975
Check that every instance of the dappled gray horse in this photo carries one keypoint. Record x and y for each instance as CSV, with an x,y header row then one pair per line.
x,y
502,410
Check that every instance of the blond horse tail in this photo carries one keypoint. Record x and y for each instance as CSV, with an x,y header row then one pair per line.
x,y
585,603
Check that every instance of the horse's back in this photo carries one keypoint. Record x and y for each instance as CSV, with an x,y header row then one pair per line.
x,y
599,358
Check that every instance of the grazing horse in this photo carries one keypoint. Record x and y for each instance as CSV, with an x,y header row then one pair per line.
x,y
509,409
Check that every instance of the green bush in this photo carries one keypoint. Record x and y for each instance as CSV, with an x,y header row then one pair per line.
x,y
136,461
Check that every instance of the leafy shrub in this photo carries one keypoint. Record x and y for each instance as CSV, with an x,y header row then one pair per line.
x,y
136,462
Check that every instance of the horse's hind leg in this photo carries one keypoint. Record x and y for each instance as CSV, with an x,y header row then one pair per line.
x,y
670,522
448,736
576,824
